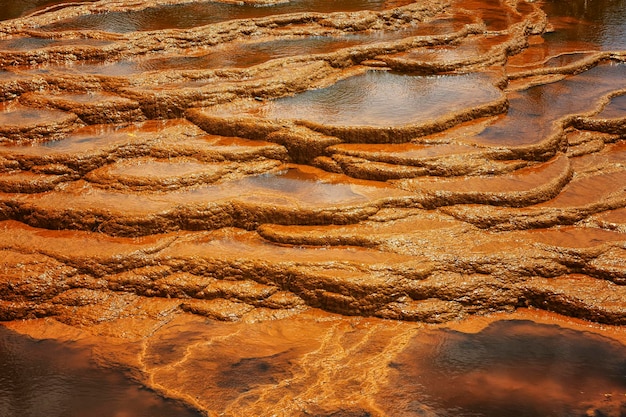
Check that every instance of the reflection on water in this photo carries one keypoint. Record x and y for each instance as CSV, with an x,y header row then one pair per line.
x,y
45,378
194,14
245,55
292,187
566,59
513,368
492,13
17,115
601,23
240,55
12,9
532,111
616,108
381,98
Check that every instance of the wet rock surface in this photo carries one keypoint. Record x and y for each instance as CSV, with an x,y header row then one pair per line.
x,y
278,169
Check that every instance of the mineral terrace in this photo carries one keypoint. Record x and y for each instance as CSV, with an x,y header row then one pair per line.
x,y
257,209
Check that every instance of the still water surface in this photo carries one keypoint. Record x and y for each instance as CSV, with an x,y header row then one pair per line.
x,y
512,368
11,9
47,379
197,14
381,98
596,23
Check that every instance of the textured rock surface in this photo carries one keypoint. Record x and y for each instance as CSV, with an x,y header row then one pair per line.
x,y
226,183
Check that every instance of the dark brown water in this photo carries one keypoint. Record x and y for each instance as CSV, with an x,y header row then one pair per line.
x,y
191,15
381,98
597,23
10,9
533,112
616,108
512,368
46,378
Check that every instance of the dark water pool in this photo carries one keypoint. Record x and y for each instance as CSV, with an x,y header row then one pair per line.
x,y
11,9
48,379
601,23
381,98
193,14
532,112
511,368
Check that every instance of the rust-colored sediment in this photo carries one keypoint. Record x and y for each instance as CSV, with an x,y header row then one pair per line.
x,y
303,193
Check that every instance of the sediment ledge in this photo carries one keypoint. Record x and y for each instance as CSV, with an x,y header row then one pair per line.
x,y
296,207
397,160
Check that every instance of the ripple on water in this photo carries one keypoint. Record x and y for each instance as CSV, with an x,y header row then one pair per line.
x,y
615,109
511,368
383,99
14,9
197,14
46,378
601,23
533,112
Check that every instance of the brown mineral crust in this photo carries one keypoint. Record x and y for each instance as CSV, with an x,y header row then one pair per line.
x,y
29,182
578,66
234,203
403,134
22,125
57,77
161,175
580,199
264,119
152,177
47,278
524,187
469,52
239,247
92,108
514,255
93,147
414,160
140,43
347,280
613,125
610,219
572,293
607,157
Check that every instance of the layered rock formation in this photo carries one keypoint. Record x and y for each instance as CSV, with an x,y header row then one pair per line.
x,y
286,166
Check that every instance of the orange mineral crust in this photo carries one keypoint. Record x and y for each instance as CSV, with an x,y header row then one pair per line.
x,y
316,207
